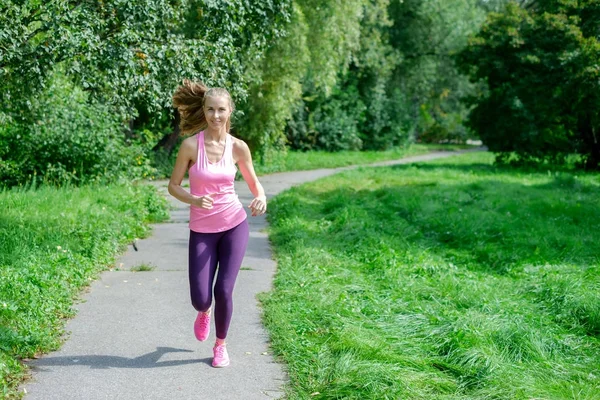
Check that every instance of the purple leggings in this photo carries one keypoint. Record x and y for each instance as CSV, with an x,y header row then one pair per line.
x,y
206,251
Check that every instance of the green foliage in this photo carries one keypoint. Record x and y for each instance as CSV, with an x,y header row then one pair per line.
x,y
321,38
333,123
540,64
128,56
452,279
276,90
333,38
298,135
426,34
344,99
338,119
132,54
66,139
144,267
53,242
399,81
360,74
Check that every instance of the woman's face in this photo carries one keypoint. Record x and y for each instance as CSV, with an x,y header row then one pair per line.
x,y
217,111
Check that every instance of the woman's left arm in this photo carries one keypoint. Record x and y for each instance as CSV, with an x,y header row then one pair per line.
x,y
241,154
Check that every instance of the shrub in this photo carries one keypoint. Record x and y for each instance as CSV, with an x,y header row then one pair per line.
x,y
64,138
328,123
387,124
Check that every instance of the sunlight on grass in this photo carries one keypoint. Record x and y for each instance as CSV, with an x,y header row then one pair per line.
x,y
451,279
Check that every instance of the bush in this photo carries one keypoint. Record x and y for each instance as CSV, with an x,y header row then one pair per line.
x,y
333,125
438,126
387,125
297,133
336,128
63,138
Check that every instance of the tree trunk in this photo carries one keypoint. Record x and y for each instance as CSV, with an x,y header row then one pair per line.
x,y
169,141
129,130
593,161
591,140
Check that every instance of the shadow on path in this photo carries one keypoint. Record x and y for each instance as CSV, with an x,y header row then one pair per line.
x,y
149,360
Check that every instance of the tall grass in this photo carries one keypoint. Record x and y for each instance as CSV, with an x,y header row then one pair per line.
x,y
52,243
444,280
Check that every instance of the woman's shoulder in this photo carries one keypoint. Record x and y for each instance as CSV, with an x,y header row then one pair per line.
x,y
239,147
238,144
190,144
191,140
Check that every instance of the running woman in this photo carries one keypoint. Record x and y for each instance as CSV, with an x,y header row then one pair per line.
x,y
218,226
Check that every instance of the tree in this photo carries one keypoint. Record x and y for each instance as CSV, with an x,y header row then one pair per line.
x,y
307,63
127,56
131,53
394,78
276,88
427,34
541,64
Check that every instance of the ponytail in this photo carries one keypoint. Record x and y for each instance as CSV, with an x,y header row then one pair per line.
x,y
189,100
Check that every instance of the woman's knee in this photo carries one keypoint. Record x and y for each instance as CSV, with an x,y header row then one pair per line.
x,y
201,304
223,293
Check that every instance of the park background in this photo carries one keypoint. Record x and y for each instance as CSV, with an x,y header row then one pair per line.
x,y
85,92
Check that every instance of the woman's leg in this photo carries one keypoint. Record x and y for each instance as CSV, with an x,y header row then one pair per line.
x,y
231,249
202,267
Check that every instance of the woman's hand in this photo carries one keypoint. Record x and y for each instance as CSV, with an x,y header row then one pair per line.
x,y
258,206
243,158
205,202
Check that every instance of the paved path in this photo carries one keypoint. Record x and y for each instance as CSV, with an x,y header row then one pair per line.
x,y
133,339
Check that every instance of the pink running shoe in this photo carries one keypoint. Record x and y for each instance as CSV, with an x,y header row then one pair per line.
x,y
202,326
221,358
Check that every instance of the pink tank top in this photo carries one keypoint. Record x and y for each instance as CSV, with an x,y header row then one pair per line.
x,y
216,179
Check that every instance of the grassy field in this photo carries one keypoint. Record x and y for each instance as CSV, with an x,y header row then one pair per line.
x,y
301,161
53,242
451,279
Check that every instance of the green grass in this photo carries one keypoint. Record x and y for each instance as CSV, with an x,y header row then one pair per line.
x,y
451,279
301,161
53,242
144,267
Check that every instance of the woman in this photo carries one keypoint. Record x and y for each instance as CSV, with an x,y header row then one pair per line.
x,y
218,226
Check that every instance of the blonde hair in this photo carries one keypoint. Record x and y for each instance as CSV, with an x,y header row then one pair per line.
x,y
189,100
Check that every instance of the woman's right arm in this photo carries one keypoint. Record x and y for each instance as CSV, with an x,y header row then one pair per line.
x,y
186,155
